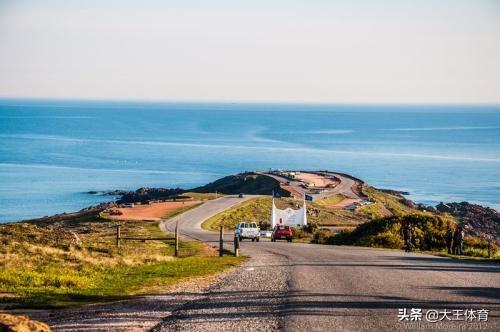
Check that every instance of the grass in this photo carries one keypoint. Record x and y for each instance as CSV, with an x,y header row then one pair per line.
x,y
174,212
330,201
203,196
386,204
32,258
259,210
256,209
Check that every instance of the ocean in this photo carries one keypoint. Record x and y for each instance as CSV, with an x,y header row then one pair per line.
x,y
53,152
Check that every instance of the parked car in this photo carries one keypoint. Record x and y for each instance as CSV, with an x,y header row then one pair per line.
x,y
282,232
266,233
248,230
240,195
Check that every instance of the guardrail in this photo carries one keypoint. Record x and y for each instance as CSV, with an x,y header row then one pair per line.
x,y
120,238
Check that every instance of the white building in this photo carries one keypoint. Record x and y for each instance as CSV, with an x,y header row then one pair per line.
x,y
288,216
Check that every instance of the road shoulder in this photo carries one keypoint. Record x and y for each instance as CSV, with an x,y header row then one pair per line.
x,y
251,297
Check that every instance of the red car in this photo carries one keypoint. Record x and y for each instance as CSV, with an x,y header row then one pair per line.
x,y
282,232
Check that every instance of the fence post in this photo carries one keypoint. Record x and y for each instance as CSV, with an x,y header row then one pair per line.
x,y
221,241
118,235
236,245
176,243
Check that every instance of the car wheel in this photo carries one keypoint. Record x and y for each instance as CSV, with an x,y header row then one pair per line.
x,y
241,239
258,239
253,239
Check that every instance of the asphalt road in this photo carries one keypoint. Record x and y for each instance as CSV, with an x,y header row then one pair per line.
x,y
344,187
337,288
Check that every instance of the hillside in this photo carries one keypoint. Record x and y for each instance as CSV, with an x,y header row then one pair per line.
x,y
322,213
428,231
32,256
246,183
480,221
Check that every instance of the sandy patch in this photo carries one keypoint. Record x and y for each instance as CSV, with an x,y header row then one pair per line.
x,y
155,211
291,190
316,180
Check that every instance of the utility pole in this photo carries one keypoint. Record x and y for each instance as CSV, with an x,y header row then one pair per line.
x,y
221,241
176,243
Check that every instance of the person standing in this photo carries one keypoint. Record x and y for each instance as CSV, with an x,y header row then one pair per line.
x,y
449,240
458,238
407,238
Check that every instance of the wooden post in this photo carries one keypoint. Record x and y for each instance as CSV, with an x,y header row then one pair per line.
x,y
221,241
236,245
118,236
176,243
489,248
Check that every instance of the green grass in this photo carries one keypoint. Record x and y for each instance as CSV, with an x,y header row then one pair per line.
x,y
329,201
256,209
373,211
386,204
47,287
259,210
32,259
203,196
174,212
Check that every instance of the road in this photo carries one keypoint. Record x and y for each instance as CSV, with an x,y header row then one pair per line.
x,y
306,287
344,187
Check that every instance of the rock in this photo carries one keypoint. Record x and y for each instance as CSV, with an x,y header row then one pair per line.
x,y
143,195
480,221
21,324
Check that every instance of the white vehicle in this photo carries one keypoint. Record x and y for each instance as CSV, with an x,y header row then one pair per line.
x,y
248,230
266,233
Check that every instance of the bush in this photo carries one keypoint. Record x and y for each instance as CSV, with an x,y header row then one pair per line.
x,y
310,228
428,232
343,237
300,233
265,225
320,236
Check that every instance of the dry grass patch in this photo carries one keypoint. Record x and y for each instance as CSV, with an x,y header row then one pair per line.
x,y
74,263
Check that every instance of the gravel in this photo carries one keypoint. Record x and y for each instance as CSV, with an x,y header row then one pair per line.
x,y
250,298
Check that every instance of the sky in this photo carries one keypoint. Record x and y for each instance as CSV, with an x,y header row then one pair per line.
x,y
322,51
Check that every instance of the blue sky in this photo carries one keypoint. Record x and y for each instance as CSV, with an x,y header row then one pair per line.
x,y
428,51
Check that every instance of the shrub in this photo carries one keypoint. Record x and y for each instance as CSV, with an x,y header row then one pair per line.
x,y
428,232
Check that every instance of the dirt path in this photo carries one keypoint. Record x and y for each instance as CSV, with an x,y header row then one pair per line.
x,y
154,211
315,180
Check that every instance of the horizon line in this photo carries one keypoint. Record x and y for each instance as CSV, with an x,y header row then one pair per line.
x,y
247,102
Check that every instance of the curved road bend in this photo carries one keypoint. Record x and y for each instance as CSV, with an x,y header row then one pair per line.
x,y
344,187
297,287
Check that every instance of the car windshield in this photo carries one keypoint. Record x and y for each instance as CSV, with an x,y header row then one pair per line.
x,y
282,228
254,225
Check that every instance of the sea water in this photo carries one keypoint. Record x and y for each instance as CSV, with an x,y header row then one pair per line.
x,y
53,152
